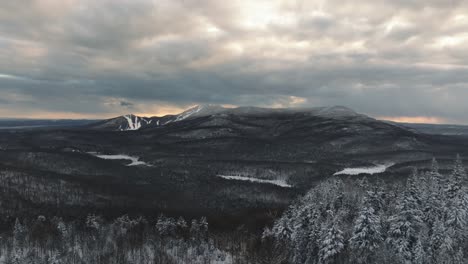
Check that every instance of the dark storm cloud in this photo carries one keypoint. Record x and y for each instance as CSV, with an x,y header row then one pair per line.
x,y
103,58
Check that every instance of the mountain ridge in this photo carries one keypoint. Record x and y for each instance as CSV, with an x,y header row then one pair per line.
x,y
131,122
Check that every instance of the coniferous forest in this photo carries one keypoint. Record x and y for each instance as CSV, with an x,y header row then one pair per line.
x,y
352,219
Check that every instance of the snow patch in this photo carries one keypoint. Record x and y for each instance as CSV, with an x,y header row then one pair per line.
x,y
281,183
135,161
365,170
188,113
132,124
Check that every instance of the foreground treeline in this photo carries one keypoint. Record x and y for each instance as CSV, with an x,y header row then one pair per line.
x,y
352,220
367,221
124,240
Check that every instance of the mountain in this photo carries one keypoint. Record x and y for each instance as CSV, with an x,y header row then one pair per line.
x,y
20,123
438,129
292,133
242,162
133,122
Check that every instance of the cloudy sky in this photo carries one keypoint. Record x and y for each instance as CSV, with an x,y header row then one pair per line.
x,y
399,59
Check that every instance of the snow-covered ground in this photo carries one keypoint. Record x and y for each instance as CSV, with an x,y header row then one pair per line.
x,y
365,170
135,160
281,183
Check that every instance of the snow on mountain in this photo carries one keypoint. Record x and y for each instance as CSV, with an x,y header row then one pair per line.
x,y
188,113
134,122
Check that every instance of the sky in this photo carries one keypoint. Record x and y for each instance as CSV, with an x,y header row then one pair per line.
x,y
403,60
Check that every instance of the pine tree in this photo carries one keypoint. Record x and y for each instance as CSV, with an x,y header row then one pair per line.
x,y
331,243
18,234
282,229
366,237
166,226
437,237
456,216
376,197
459,257
405,226
434,166
436,200
453,184
418,253
300,234
437,180
447,250
413,187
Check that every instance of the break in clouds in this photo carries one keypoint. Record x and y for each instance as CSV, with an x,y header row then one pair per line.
x,y
83,58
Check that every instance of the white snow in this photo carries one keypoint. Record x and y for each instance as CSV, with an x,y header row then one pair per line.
x,y
135,122
188,113
135,160
365,170
281,183
132,124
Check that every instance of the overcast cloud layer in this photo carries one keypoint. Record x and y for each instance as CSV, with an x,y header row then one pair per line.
x,y
88,58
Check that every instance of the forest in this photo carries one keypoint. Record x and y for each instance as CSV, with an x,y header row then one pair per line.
x,y
341,220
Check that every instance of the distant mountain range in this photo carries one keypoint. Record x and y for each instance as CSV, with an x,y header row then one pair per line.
x,y
131,122
134,122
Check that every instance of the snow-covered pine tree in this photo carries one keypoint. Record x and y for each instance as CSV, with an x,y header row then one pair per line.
x,y
405,226
435,197
18,234
447,249
413,189
437,180
182,226
282,229
331,242
366,236
437,237
459,257
314,230
300,233
165,226
376,196
453,184
456,215
419,256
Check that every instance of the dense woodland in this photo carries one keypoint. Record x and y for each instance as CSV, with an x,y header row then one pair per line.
x,y
341,220
423,221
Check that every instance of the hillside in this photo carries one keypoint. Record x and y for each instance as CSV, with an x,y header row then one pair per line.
x,y
207,160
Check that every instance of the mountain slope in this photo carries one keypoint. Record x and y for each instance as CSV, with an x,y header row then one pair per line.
x,y
197,159
133,122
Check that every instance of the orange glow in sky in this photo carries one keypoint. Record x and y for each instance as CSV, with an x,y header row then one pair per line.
x,y
414,119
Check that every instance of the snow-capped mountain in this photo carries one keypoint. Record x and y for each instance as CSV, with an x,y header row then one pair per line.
x,y
132,122
135,122
123,123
